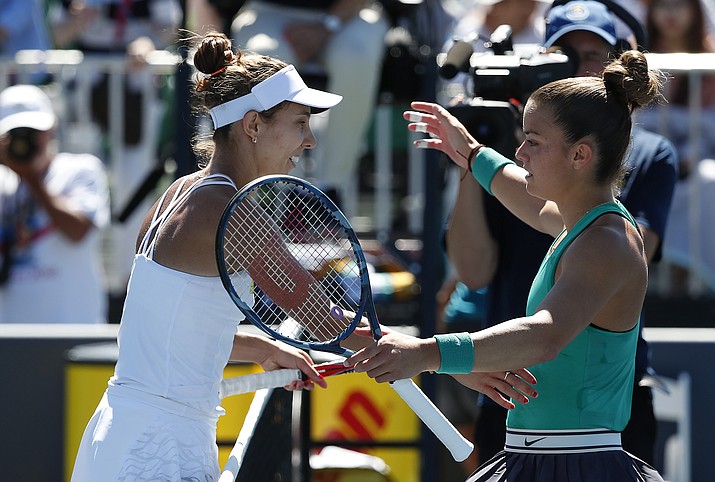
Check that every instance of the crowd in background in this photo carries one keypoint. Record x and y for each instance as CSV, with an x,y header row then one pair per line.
x,y
319,38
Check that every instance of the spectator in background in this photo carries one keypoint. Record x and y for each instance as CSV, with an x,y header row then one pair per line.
x,y
345,40
52,208
680,26
128,30
23,27
491,247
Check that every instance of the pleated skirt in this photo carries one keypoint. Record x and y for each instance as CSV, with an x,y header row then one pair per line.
x,y
564,456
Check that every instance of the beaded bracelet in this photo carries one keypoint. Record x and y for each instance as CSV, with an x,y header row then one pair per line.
x,y
456,351
489,163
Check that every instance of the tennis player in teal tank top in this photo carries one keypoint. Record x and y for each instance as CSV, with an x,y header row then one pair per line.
x,y
572,388
566,368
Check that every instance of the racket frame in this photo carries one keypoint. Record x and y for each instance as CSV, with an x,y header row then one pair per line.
x,y
332,345
423,407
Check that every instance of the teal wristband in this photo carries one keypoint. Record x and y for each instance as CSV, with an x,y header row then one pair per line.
x,y
485,166
456,351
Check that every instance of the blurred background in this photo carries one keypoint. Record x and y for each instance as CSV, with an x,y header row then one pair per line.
x,y
118,73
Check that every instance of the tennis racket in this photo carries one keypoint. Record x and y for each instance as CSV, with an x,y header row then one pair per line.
x,y
310,284
275,379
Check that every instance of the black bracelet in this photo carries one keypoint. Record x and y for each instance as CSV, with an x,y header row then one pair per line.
x,y
472,154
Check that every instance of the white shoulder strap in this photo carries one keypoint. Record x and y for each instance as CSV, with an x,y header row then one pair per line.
x,y
160,219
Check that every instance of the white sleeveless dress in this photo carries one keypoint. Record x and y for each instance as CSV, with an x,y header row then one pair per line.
x,y
157,418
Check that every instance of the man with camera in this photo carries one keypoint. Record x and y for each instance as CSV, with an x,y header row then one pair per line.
x,y
490,247
52,208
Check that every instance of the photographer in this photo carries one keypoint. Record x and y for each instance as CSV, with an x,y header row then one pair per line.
x,y
490,247
52,207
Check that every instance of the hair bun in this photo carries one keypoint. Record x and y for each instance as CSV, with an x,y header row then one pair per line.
x,y
630,79
214,53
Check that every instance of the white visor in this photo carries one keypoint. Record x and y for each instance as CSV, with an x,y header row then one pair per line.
x,y
286,84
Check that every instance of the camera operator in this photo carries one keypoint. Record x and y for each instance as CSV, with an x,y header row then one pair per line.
x,y
52,207
490,247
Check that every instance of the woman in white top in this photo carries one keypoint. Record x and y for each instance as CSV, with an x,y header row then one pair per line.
x,y
157,419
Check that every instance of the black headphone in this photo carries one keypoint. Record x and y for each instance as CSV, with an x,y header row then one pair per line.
x,y
638,30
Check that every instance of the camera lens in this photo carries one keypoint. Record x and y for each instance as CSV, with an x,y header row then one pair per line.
x,y
23,144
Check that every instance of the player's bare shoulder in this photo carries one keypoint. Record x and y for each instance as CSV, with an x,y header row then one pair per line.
x,y
615,237
186,240
609,253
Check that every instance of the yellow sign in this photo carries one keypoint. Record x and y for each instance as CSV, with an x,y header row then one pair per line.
x,y
353,408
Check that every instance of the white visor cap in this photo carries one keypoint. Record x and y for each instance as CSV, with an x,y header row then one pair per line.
x,y
286,84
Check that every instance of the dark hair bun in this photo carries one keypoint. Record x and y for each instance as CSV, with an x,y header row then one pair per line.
x,y
214,53
630,79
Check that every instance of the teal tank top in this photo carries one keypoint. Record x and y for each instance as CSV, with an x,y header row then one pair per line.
x,y
590,383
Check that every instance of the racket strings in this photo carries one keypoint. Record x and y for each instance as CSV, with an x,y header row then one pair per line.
x,y
300,258
321,243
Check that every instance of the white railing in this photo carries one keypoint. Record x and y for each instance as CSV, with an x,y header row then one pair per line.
x,y
72,67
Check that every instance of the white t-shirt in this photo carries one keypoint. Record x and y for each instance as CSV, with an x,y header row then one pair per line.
x,y
51,278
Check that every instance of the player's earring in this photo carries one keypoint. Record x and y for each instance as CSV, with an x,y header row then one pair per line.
x,y
255,140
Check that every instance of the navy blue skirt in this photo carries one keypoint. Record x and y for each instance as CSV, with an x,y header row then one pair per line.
x,y
540,456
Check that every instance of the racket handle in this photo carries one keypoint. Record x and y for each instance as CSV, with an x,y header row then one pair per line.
x,y
257,381
434,419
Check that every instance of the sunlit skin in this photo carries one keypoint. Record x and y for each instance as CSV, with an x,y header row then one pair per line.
x,y
288,135
280,141
543,154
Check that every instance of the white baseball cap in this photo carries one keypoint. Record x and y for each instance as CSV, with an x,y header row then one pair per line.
x,y
25,106
286,84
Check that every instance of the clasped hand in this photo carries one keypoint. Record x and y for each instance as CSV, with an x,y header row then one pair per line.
x,y
398,356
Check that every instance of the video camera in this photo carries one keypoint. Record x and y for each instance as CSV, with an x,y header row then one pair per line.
x,y
501,81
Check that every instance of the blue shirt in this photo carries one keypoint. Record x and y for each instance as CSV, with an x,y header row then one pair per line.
x,y
24,22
